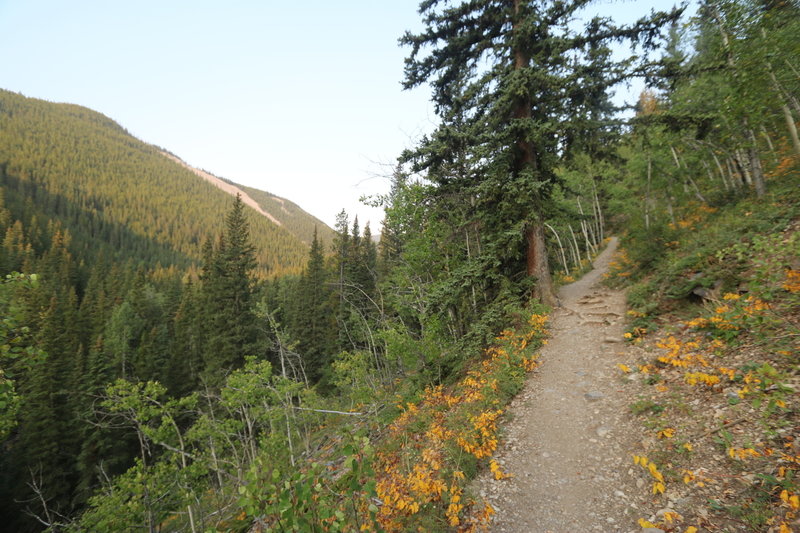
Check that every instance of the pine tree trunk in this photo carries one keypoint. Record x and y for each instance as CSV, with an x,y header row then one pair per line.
x,y
537,264
526,159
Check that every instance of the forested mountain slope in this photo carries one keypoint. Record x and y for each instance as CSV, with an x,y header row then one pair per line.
x,y
115,193
279,210
291,216
366,392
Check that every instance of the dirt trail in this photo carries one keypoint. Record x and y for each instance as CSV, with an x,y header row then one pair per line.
x,y
570,437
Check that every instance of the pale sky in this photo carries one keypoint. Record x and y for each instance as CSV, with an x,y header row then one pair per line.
x,y
301,99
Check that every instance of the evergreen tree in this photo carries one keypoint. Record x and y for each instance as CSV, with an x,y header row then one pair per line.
x,y
186,362
504,73
228,297
314,328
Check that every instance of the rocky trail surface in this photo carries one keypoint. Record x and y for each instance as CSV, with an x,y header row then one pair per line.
x,y
570,437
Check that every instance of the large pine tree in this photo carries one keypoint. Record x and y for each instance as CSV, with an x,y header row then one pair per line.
x,y
228,290
505,74
314,327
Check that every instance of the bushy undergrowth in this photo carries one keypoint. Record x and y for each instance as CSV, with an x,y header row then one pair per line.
x,y
715,308
707,250
437,444
407,466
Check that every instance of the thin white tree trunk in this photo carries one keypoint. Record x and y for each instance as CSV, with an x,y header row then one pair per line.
x,y
600,220
755,162
721,171
560,247
744,168
736,178
587,229
577,248
688,177
767,138
647,192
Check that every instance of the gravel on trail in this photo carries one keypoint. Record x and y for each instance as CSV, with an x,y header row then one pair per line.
x,y
569,436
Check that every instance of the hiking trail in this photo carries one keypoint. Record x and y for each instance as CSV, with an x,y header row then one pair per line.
x,y
569,436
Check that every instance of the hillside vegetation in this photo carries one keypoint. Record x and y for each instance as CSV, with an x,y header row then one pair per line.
x,y
65,164
366,391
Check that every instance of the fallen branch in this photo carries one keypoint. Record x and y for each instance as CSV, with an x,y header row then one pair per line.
x,y
724,426
328,411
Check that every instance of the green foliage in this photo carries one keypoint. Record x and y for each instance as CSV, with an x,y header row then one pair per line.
x,y
236,405
117,195
141,498
17,350
228,298
292,217
640,407
305,499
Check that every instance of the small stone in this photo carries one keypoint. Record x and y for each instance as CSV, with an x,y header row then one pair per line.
x,y
652,530
545,455
639,483
594,396
602,431
732,395
619,494
612,339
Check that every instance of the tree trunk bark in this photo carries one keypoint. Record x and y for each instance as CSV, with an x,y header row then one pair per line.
x,y
767,138
736,179
537,265
647,193
757,174
527,159
744,168
792,127
600,220
755,163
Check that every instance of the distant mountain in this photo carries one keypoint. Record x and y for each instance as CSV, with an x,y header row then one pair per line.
x,y
68,165
279,210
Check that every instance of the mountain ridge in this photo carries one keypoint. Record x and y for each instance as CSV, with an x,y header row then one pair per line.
x,y
67,164
228,187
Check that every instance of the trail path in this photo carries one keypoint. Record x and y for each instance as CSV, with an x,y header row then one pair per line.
x,y
570,437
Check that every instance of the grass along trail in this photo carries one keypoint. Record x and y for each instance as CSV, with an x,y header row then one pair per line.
x,y
570,436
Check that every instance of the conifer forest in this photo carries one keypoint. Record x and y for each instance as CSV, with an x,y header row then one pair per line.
x,y
172,360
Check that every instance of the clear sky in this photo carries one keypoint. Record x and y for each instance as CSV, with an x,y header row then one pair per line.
x,y
301,99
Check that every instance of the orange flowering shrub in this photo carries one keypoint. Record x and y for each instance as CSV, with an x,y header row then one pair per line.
x,y
792,283
421,468
621,265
